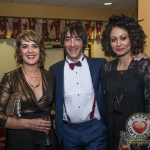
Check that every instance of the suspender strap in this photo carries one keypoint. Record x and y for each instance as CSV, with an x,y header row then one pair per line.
x,y
91,114
93,109
69,120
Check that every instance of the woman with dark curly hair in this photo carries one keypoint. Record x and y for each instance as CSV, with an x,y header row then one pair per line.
x,y
125,81
34,88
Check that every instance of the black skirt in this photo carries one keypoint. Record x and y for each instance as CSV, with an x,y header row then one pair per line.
x,y
26,139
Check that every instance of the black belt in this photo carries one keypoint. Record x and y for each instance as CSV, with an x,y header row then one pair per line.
x,y
77,124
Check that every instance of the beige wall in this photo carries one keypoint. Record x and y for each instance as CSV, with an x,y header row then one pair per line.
x,y
143,13
7,62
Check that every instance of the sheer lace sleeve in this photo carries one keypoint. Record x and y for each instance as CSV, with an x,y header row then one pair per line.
x,y
103,80
144,72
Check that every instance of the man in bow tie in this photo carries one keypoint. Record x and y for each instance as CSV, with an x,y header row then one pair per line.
x,y
80,110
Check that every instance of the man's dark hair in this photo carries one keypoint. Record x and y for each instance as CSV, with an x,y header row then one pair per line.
x,y
74,29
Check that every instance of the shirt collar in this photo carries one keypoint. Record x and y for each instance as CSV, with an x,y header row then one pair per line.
x,y
80,59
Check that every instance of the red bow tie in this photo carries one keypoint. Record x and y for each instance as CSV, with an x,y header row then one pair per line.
x,y
71,65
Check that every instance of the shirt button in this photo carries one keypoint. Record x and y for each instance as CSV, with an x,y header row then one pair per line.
x,y
77,83
78,94
79,106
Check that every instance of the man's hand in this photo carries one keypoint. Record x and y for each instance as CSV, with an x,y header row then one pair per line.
x,y
125,147
140,56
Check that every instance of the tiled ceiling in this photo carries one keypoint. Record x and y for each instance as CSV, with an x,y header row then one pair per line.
x,y
124,5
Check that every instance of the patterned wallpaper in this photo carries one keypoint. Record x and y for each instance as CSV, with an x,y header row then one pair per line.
x,y
50,29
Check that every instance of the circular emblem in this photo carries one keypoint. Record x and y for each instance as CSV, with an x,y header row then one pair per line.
x,y
138,126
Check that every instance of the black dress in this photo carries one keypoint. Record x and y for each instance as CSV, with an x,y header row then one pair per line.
x,y
131,88
26,139
117,109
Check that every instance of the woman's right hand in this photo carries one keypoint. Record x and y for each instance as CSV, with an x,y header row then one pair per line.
x,y
36,124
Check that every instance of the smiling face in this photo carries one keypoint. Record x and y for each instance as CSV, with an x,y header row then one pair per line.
x,y
73,45
120,41
30,52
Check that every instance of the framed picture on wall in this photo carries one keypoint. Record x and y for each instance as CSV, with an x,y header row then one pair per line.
x,y
51,45
87,50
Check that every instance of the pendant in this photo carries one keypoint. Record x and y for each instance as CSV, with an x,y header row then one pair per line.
x,y
34,86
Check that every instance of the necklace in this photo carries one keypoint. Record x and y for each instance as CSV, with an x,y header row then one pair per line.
x,y
31,80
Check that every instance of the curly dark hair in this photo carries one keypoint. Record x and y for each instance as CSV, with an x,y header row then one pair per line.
x,y
74,28
29,35
135,31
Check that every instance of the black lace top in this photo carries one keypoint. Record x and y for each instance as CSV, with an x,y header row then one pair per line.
x,y
135,90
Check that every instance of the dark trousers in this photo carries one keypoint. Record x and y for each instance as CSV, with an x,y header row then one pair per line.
x,y
91,135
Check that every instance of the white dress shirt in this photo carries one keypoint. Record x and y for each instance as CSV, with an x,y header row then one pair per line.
x,y
78,93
